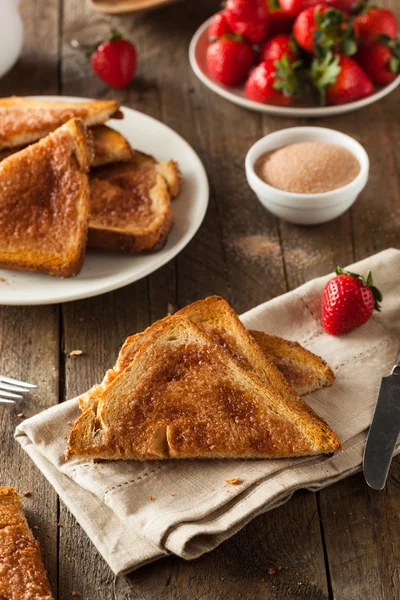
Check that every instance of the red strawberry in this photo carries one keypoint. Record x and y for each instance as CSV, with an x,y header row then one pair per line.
x,y
229,60
249,18
273,82
375,21
218,27
340,80
348,6
295,7
348,302
381,60
320,28
115,61
279,22
277,47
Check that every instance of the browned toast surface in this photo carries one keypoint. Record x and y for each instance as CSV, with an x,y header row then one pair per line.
x,y
109,146
283,362
186,397
44,203
24,120
305,371
22,574
130,207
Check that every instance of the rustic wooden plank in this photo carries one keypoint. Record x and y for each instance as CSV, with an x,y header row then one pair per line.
x,y
237,254
207,265
361,526
247,269
29,336
256,564
100,325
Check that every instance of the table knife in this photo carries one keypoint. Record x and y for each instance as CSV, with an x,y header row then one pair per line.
x,y
384,431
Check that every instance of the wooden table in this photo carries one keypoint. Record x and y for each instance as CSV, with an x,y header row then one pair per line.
x,y
342,543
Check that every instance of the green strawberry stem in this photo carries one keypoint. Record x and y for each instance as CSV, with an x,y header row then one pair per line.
x,y
286,77
333,32
394,47
274,5
362,7
368,282
236,37
324,72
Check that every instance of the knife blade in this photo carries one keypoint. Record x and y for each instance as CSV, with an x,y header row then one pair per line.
x,y
384,431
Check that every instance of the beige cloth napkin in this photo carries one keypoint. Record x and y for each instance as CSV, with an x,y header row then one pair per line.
x,y
192,509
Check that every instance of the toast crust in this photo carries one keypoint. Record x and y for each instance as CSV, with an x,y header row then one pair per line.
x,y
306,372
169,169
130,207
109,146
44,203
183,396
22,574
24,120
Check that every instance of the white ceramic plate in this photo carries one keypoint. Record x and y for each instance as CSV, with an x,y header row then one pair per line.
x,y
106,271
197,57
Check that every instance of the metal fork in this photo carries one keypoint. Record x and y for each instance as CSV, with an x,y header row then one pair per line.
x,y
8,387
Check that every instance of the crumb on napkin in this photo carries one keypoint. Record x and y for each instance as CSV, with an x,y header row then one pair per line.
x,y
233,480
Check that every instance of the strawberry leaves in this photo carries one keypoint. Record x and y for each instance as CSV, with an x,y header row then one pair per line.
x,y
324,72
285,76
394,47
368,282
333,32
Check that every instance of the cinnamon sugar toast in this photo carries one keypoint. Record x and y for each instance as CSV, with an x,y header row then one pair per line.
x,y
184,396
44,203
305,371
218,320
24,120
22,574
109,146
130,205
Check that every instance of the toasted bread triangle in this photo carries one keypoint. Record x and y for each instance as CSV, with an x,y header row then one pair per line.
x,y
185,397
216,318
22,574
44,203
130,207
305,371
109,146
25,120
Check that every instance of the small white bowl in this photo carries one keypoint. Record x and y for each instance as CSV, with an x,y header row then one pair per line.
x,y
306,209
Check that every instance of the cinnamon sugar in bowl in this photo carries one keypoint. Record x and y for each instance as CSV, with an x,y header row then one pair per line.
x,y
307,175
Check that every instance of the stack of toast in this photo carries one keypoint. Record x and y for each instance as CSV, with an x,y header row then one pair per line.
x,y
68,181
199,385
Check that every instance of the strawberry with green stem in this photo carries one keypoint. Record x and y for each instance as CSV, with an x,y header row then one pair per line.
x,y
218,27
114,61
249,18
339,79
348,301
274,82
320,29
279,21
372,21
381,59
279,46
229,59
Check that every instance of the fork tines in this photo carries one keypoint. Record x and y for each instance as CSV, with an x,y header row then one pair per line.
x,y
8,387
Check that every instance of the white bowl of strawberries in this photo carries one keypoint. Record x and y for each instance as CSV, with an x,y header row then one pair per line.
x,y
310,58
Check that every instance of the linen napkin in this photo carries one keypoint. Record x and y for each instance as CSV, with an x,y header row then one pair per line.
x,y
136,512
